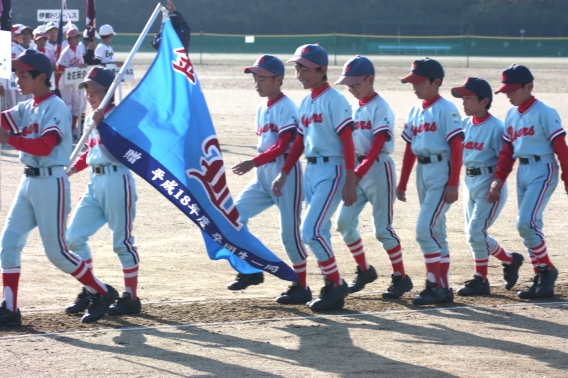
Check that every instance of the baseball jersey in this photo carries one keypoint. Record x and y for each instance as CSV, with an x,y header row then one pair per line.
x,y
482,142
35,121
49,53
321,120
104,53
370,119
533,131
429,130
17,49
273,120
98,154
52,46
70,57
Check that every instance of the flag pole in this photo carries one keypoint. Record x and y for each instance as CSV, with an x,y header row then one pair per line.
x,y
115,83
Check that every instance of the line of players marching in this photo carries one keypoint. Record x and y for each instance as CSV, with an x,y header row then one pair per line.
x,y
347,150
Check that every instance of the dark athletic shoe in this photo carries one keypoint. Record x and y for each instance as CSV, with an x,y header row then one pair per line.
x,y
546,279
8,317
331,297
362,278
295,295
511,271
398,287
242,281
476,286
99,304
433,294
125,306
81,303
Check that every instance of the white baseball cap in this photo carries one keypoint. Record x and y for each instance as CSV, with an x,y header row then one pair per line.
x,y
66,27
17,28
106,30
86,34
50,25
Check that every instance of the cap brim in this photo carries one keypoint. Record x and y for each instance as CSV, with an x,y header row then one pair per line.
x,y
351,80
460,92
303,62
39,36
259,71
92,84
18,65
413,79
507,88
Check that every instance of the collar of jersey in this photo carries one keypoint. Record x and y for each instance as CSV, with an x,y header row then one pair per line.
x,y
427,104
366,100
524,107
316,92
39,100
478,121
269,103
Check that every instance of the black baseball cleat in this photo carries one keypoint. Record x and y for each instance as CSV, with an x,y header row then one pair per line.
x,y
511,271
99,304
125,305
433,294
242,281
475,286
530,293
398,287
546,278
331,297
295,295
362,278
81,303
8,317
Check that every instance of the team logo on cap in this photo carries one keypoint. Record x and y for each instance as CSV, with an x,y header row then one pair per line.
x,y
305,50
347,69
261,60
466,81
93,73
413,66
504,77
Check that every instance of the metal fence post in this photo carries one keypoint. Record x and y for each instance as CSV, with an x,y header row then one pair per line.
x,y
335,47
201,47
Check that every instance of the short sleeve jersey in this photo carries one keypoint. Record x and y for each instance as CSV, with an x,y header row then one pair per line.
x,y
273,120
49,53
321,120
430,130
370,119
35,121
104,53
98,154
70,57
17,49
533,131
482,142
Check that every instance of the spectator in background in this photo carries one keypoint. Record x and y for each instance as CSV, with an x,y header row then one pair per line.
x,y
180,25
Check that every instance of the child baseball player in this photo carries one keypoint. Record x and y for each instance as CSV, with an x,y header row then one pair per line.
x,y
533,134
40,39
276,123
375,175
482,143
104,54
434,136
325,136
70,57
110,198
40,129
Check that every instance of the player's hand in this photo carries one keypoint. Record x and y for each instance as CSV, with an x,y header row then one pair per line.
x,y
495,191
171,6
4,135
401,195
451,194
349,194
2,91
119,64
83,65
71,171
243,167
278,184
98,116
92,45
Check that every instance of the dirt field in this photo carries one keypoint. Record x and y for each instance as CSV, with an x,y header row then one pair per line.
x,y
192,325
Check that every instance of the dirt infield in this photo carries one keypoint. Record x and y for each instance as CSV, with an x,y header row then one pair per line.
x,y
192,325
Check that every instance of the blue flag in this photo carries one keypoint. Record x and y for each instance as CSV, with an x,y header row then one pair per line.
x,y
163,132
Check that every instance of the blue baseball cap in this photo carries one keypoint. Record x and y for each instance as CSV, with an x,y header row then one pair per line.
x,y
513,77
31,60
266,65
422,70
473,86
356,70
100,79
311,56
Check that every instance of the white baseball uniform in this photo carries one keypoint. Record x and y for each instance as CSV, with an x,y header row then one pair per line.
x,y
70,57
105,53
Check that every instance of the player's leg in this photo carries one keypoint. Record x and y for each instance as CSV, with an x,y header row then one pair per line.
x,y
50,201
324,183
539,181
290,206
19,222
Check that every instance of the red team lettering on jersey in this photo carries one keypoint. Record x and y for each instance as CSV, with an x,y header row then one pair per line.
x,y
424,127
474,146
314,118
524,131
31,129
363,125
266,128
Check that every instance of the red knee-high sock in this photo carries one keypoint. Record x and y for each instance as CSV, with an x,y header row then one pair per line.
x,y
358,253
481,267
395,257
74,122
85,275
330,271
502,255
301,272
131,280
432,261
10,280
534,262
445,271
541,255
